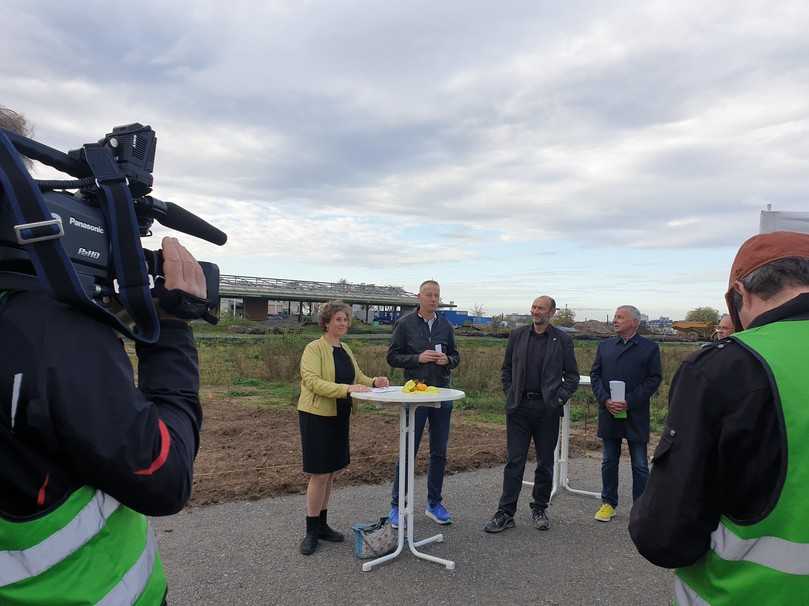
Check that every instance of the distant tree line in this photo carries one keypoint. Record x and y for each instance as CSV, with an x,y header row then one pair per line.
x,y
703,314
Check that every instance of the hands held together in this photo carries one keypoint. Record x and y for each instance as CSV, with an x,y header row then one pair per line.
x,y
428,355
615,406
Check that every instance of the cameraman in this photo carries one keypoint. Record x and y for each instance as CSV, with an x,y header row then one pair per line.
x,y
85,455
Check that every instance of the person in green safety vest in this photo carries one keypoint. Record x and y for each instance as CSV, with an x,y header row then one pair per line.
x,y
85,453
726,502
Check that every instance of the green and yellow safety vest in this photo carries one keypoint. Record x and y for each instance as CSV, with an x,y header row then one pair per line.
x,y
89,550
766,562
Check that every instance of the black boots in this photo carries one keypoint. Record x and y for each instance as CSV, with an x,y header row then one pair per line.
x,y
309,543
327,533
318,528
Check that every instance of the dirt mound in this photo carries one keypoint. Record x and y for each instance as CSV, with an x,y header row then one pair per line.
x,y
250,452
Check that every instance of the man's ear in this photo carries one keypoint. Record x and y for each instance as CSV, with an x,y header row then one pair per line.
x,y
735,313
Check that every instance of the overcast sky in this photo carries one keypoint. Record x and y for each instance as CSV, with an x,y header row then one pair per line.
x,y
598,152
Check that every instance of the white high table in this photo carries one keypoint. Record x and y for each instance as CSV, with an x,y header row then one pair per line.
x,y
408,402
560,455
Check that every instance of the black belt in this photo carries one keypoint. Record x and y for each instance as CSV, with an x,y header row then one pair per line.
x,y
533,395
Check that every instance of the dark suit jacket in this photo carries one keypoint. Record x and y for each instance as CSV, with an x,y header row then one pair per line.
x,y
638,365
560,374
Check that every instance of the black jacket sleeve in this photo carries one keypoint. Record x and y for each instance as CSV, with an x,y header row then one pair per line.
x,y
135,443
595,379
721,413
399,354
672,521
570,371
505,370
641,395
453,355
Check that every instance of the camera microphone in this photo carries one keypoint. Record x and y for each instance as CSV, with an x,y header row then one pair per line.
x,y
176,217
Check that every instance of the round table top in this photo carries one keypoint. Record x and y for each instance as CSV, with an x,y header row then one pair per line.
x,y
395,395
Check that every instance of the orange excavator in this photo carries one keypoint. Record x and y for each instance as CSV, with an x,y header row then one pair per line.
x,y
695,331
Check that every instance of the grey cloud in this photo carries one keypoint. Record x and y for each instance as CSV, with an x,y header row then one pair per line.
x,y
700,161
487,116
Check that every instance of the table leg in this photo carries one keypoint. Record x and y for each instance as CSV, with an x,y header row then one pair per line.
x,y
560,461
403,433
556,457
411,472
564,477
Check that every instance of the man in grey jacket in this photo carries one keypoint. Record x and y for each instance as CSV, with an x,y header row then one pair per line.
x,y
539,375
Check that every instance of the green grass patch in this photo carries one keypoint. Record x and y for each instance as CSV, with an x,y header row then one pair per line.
x,y
250,382
477,416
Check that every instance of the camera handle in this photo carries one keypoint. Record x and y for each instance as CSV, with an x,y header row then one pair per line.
x,y
178,302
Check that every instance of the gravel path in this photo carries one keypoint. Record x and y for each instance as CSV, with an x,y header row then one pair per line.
x,y
246,553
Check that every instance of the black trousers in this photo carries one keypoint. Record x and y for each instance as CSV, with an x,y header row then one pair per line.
x,y
532,419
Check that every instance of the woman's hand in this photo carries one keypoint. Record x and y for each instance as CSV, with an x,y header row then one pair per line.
x,y
357,387
381,382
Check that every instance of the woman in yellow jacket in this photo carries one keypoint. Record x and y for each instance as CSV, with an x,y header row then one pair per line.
x,y
329,373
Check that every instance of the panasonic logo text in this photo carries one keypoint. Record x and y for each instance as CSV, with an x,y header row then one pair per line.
x,y
96,228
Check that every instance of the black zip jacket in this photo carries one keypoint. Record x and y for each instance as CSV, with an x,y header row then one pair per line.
x,y
71,415
411,336
722,452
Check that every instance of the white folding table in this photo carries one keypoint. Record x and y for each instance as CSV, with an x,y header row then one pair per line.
x,y
408,402
560,455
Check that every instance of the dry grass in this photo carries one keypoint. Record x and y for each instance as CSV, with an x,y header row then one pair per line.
x,y
276,358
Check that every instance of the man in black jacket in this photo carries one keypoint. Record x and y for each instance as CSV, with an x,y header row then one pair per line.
x,y
539,375
72,417
635,360
423,344
722,466
79,417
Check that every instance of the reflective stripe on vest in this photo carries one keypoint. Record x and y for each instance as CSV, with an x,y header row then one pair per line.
x,y
776,553
134,581
685,596
766,562
18,565
90,550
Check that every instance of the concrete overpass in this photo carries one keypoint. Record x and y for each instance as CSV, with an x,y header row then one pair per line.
x,y
257,292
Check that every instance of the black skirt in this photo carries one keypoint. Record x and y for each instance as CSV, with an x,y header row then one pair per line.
x,y
324,440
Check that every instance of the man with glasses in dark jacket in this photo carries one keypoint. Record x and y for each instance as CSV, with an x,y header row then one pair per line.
x,y
423,344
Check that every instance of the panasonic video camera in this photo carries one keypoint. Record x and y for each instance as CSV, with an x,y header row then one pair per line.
x,y
85,234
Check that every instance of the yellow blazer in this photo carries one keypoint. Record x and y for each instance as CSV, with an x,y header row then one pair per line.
x,y
319,392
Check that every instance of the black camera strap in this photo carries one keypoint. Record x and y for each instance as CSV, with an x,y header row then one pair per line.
x,y
127,253
39,232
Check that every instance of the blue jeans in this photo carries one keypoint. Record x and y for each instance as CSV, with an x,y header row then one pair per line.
x,y
609,469
439,436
